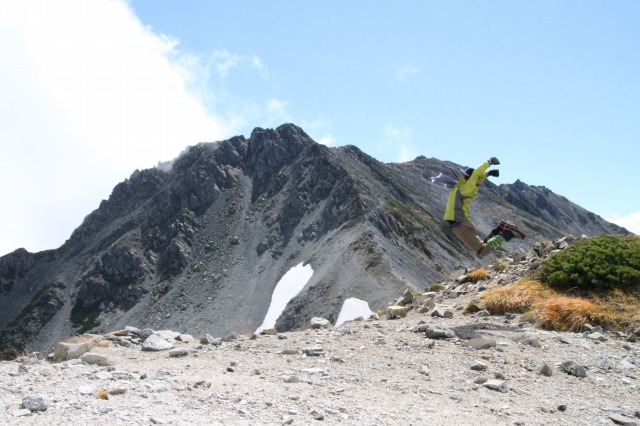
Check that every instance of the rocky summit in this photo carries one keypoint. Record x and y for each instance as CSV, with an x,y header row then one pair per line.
x,y
198,244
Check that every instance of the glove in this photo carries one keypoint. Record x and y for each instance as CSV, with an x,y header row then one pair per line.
x,y
494,173
494,161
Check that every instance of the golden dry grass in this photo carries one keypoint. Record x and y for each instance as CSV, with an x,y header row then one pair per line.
x,y
567,313
552,310
518,297
479,274
102,394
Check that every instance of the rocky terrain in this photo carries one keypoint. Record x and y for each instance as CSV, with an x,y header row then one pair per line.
x,y
199,243
429,363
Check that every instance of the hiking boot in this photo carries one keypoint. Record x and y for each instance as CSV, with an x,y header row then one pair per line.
x,y
506,227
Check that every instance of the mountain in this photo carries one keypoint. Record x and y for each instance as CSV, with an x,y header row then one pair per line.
x,y
200,243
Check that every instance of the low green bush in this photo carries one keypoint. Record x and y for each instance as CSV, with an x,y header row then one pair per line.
x,y
595,264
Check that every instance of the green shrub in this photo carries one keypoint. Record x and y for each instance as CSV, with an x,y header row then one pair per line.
x,y
595,265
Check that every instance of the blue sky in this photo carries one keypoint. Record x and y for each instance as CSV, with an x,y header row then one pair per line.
x,y
94,89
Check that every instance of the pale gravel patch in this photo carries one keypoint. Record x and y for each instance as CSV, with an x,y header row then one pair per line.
x,y
369,372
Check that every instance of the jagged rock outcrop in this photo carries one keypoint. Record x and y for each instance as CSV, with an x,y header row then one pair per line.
x,y
201,242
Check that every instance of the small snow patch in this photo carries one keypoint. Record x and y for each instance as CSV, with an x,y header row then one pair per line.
x,y
353,308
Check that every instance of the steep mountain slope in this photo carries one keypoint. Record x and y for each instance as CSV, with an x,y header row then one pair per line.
x,y
200,243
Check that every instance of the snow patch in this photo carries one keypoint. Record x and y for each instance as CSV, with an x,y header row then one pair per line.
x,y
353,308
287,288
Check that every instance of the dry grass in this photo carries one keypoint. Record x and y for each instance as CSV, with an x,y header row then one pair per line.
x,y
479,274
500,265
518,297
102,394
567,313
620,309
552,310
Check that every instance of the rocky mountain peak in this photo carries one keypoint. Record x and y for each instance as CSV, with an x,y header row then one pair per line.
x,y
202,241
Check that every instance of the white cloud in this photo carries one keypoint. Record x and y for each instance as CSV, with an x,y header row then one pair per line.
x,y
327,140
397,144
631,222
89,94
405,71
224,61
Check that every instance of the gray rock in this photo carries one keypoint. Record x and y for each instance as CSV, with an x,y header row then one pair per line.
x,y
622,420
185,338
439,333
167,334
604,364
35,402
440,311
496,385
66,351
317,323
315,351
397,311
95,359
290,379
480,343
479,366
545,370
625,364
573,369
210,340
156,343
133,330
179,352
596,336
532,341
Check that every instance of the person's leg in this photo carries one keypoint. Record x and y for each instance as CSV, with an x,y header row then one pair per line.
x,y
468,234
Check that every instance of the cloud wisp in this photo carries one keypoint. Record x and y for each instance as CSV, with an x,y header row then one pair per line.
x,y
631,222
397,142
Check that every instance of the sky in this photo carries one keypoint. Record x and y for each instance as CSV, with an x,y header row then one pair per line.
x,y
92,90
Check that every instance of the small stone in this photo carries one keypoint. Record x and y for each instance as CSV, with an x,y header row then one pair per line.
x,y
35,402
439,333
604,364
496,385
480,343
397,312
573,369
622,420
545,370
479,366
92,358
178,352
424,369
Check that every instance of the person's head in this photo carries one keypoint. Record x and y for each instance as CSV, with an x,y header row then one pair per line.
x,y
468,172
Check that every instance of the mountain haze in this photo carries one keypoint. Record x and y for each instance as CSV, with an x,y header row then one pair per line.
x,y
200,243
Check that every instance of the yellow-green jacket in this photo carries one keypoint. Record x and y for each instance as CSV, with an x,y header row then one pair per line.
x,y
463,193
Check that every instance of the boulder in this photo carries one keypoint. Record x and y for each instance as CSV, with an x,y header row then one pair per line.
x,y
95,359
156,343
65,351
397,311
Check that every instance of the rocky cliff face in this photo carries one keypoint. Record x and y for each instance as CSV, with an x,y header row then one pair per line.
x,y
200,243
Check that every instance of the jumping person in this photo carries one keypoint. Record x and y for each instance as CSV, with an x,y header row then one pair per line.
x,y
458,214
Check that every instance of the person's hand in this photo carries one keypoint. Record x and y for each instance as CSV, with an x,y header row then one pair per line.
x,y
494,161
494,173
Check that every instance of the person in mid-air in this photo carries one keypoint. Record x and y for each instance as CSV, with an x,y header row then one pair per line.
x,y
458,215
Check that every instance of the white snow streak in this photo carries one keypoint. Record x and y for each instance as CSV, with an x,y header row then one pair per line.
x,y
287,288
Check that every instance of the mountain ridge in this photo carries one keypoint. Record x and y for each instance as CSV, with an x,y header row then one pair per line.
x,y
201,242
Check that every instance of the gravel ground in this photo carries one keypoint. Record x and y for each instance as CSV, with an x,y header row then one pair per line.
x,y
360,373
